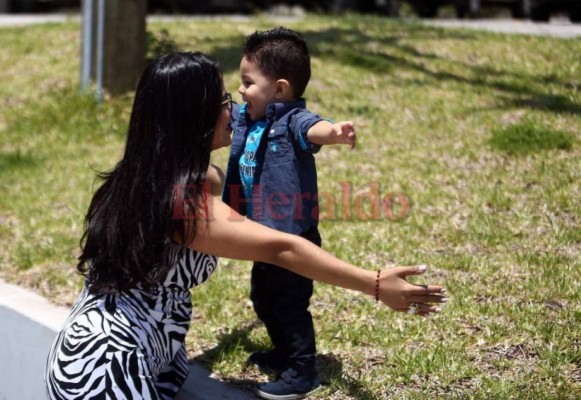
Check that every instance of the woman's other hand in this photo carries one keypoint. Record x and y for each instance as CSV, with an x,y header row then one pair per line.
x,y
400,295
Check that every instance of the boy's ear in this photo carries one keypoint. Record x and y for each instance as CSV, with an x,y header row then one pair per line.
x,y
283,90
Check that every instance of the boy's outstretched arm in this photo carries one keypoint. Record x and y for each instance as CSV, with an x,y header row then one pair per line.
x,y
325,132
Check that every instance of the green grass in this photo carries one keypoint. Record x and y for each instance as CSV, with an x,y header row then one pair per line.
x,y
527,138
479,131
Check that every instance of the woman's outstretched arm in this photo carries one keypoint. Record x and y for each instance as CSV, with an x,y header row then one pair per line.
x,y
226,233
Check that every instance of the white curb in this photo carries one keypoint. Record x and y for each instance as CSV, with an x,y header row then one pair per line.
x,y
28,326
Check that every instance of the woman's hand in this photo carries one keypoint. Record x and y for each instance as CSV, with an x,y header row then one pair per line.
x,y
400,295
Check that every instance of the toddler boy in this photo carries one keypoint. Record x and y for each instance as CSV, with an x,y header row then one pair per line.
x,y
271,178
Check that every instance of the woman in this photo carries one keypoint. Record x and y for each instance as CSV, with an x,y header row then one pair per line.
x,y
153,231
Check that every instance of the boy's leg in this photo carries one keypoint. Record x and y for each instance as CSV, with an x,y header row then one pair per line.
x,y
291,308
300,378
263,301
291,294
281,300
261,294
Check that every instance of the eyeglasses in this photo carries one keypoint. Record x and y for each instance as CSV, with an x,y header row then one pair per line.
x,y
227,101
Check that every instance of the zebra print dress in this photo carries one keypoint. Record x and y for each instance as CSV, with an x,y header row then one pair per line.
x,y
128,345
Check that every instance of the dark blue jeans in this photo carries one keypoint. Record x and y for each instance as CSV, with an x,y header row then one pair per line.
x,y
281,300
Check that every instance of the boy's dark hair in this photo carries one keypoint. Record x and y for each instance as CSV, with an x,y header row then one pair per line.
x,y
281,53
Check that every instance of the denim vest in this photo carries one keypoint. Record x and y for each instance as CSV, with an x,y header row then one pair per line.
x,y
285,195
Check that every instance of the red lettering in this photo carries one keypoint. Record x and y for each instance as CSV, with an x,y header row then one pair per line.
x,y
373,196
298,205
403,203
328,207
345,200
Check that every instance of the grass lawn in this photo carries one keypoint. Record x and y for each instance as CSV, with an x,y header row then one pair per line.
x,y
479,132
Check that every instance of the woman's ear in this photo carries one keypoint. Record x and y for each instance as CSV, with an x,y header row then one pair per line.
x,y
284,91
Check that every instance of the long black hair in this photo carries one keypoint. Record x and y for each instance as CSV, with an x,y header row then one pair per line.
x,y
132,216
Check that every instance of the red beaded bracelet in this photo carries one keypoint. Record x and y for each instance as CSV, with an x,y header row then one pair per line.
x,y
377,285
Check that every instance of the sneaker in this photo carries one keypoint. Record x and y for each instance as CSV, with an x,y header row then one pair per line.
x,y
289,386
270,362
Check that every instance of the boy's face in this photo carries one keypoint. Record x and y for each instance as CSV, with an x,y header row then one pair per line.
x,y
257,89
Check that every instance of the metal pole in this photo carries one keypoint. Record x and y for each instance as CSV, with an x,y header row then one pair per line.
x,y
100,49
86,59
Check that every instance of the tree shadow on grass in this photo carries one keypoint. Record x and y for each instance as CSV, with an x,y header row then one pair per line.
x,y
517,89
331,371
229,55
330,368
349,45
238,338
16,160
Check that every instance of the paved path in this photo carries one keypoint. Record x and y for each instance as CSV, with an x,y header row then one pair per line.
x,y
19,20
28,326
32,19
557,27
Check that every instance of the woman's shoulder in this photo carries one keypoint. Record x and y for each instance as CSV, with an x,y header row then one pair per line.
x,y
215,177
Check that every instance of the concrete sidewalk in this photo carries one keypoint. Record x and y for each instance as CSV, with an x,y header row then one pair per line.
x,y
33,19
556,27
28,328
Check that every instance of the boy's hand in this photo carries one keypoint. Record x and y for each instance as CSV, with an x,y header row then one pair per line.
x,y
325,132
344,133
